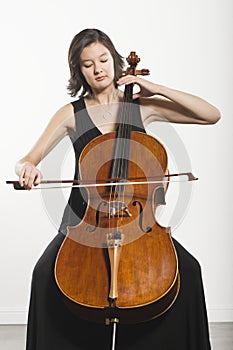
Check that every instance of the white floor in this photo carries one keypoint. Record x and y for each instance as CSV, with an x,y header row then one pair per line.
x,y
221,336
13,337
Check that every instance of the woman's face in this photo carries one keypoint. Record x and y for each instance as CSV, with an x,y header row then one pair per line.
x,y
97,66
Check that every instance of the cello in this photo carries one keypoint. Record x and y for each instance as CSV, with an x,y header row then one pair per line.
x,y
118,264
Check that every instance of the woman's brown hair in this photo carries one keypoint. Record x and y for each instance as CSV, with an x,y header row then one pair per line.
x,y
79,42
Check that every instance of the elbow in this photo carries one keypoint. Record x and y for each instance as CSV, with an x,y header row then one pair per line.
x,y
214,117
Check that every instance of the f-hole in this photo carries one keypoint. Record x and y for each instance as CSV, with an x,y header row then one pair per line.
x,y
92,229
148,228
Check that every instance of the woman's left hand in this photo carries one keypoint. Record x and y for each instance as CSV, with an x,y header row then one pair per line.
x,y
147,88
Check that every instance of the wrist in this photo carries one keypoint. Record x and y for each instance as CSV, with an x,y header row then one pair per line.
x,y
19,166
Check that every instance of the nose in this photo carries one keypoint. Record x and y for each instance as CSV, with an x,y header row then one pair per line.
x,y
98,68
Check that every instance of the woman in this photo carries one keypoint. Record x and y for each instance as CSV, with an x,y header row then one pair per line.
x,y
96,73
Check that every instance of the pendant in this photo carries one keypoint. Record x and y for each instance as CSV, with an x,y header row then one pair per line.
x,y
107,115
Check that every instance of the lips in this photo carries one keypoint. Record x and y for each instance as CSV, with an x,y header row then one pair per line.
x,y
100,78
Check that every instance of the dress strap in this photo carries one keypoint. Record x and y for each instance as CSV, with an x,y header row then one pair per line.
x,y
78,105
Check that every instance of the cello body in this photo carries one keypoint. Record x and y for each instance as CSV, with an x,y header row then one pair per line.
x,y
119,262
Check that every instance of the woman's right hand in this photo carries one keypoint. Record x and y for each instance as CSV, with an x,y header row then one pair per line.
x,y
29,175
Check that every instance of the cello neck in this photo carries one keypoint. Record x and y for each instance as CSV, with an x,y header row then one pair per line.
x,y
122,142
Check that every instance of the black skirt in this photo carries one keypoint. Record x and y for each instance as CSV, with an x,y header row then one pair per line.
x,y
52,326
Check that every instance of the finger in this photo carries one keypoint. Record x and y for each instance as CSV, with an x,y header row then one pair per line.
x,y
27,176
30,183
136,95
128,79
37,178
21,178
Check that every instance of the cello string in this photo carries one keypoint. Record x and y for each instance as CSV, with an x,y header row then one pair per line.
x,y
121,161
117,166
126,139
119,155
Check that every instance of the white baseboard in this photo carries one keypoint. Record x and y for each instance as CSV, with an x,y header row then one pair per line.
x,y
220,314
10,315
13,315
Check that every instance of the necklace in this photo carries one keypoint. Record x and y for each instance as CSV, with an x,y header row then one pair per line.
x,y
107,112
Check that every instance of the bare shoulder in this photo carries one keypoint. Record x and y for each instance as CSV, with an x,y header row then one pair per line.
x,y
65,116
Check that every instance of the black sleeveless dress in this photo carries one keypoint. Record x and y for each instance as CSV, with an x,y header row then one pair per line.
x,y
52,326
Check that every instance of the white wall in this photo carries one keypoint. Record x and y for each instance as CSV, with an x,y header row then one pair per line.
x,y
186,44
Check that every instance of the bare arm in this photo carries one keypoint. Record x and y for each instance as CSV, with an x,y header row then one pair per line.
x,y
166,104
55,131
